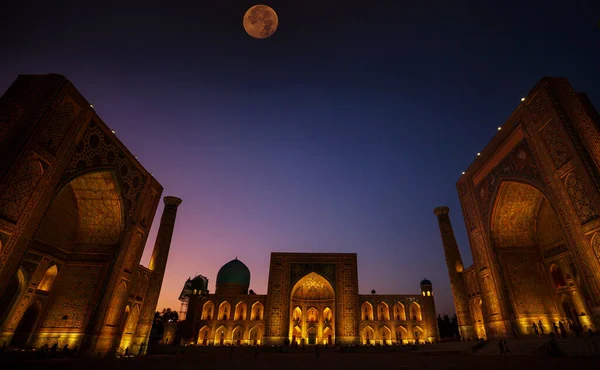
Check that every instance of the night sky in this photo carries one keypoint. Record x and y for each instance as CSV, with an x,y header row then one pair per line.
x,y
340,133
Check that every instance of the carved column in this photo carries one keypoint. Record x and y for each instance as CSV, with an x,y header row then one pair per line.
x,y
158,263
455,268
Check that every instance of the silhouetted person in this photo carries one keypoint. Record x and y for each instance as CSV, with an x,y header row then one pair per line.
x,y
563,330
535,330
541,327
54,348
590,333
501,346
126,351
576,329
75,349
141,350
555,328
506,349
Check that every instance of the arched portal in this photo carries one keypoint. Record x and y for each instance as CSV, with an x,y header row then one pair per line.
x,y
312,295
257,311
297,335
415,312
255,335
240,311
207,310
385,336
383,311
220,336
237,336
203,336
26,326
13,291
327,336
224,311
85,217
399,312
418,335
367,311
401,335
368,336
526,234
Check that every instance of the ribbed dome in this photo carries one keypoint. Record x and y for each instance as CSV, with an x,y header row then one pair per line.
x,y
234,272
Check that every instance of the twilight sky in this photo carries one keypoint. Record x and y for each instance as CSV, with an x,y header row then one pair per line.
x,y
340,133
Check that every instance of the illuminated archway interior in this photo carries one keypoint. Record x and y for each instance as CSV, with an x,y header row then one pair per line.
x,y
312,316
534,256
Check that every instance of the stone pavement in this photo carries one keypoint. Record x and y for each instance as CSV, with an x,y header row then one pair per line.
x,y
222,359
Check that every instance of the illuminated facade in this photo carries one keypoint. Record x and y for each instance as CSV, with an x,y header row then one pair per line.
x,y
75,211
531,203
312,298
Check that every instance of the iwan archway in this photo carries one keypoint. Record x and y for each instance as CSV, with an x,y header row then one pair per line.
x,y
534,260
312,311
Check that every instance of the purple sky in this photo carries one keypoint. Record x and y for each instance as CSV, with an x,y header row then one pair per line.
x,y
340,133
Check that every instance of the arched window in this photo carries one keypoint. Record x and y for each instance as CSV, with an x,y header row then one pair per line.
x,y
383,311
367,311
48,279
399,311
257,311
312,315
415,311
207,311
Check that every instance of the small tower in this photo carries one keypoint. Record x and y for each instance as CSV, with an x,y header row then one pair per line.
x,y
455,267
429,313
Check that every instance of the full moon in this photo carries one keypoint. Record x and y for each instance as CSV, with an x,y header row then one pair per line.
x,y
260,21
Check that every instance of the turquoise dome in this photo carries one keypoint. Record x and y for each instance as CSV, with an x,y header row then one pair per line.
x,y
234,272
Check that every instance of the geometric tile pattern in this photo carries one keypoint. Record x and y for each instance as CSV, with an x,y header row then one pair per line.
x,y
556,145
99,206
14,197
515,216
583,206
54,131
596,246
518,162
97,149
74,298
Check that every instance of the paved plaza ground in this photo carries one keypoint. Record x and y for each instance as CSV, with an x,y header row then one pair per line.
x,y
330,359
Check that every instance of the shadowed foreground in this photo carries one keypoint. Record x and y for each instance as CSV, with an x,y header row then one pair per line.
x,y
222,359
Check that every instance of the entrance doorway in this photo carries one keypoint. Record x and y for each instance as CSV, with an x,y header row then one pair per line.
x,y
25,327
312,338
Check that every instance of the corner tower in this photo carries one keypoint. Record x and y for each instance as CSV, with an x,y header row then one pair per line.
x,y
455,267
430,316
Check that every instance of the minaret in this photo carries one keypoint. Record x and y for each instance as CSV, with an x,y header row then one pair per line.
x,y
429,314
158,263
455,268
